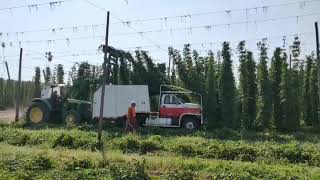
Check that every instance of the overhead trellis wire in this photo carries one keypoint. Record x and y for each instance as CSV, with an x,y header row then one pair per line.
x,y
68,40
208,27
228,12
134,29
50,41
30,7
133,48
54,29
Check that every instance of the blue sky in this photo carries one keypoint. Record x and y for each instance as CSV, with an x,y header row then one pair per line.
x,y
84,41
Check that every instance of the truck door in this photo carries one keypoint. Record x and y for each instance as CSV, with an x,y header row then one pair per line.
x,y
170,106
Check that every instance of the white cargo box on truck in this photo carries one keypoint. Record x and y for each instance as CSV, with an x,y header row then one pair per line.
x,y
117,100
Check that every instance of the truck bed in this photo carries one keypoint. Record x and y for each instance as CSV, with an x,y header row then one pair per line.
x,y
117,99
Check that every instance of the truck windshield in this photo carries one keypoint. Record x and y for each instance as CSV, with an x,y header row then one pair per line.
x,y
176,100
188,98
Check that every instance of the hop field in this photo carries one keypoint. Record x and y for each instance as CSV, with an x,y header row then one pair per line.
x,y
58,153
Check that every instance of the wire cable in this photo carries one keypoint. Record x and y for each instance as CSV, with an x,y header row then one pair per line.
x,y
51,4
208,27
134,29
141,33
153,45
228,11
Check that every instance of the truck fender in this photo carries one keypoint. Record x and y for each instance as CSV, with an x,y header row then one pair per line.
x,y
197,117
44,101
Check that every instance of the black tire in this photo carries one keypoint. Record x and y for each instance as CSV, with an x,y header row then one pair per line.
x,y
121,122
141,119
37,113
71,118
190,123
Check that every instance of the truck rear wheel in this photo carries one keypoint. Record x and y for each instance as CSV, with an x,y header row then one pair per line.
x,y
190,124
37,113
71,118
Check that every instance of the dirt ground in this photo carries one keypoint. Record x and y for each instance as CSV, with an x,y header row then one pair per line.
x,y
8,115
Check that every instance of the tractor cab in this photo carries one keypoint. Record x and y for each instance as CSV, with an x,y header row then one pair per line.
x,y
55,94
48,90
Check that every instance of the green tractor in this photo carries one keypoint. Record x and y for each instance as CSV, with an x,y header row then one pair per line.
x,y
52,107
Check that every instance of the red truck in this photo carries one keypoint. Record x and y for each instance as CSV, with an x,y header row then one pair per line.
x,y
178,107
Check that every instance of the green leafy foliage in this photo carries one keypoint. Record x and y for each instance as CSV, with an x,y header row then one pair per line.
x,y
252,90
276,80
8,93
264,93
134,170
132,143
43,167
248,87
182,174
77,164
289,98
307,91
39,162
48,74
211,103
166,158
85,77
283,97
227,89
60,74
315,96
269,151
37,90
64,141
150,145
125,69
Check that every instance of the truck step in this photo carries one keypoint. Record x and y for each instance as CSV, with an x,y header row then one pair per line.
x,y
156,125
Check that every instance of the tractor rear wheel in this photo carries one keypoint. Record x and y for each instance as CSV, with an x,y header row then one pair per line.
x,y
71,118
37,113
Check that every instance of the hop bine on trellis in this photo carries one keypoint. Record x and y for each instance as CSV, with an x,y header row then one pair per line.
x,y
49,56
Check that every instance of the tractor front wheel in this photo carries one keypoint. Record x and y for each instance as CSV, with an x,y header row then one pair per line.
x,y
71,118
37,113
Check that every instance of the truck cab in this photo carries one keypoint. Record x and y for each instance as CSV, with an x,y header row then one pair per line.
x,y
177,108
172,106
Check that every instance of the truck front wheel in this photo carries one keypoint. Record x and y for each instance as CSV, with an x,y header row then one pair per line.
x,y
190,124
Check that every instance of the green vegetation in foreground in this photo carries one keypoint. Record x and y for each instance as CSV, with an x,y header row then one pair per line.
x,y
289,148
58,153
37,163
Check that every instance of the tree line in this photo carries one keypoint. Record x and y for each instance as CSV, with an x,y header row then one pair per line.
x,y
273,92
28,89
279,92
8,89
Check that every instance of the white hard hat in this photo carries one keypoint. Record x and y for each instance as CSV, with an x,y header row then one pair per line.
x,y
133,102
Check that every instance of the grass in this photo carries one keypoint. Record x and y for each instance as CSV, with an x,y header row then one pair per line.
x,y
187,146
221,154
23,161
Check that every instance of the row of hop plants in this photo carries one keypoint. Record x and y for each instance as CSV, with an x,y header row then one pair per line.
x,y
293,152
269,152
8,93
42,166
